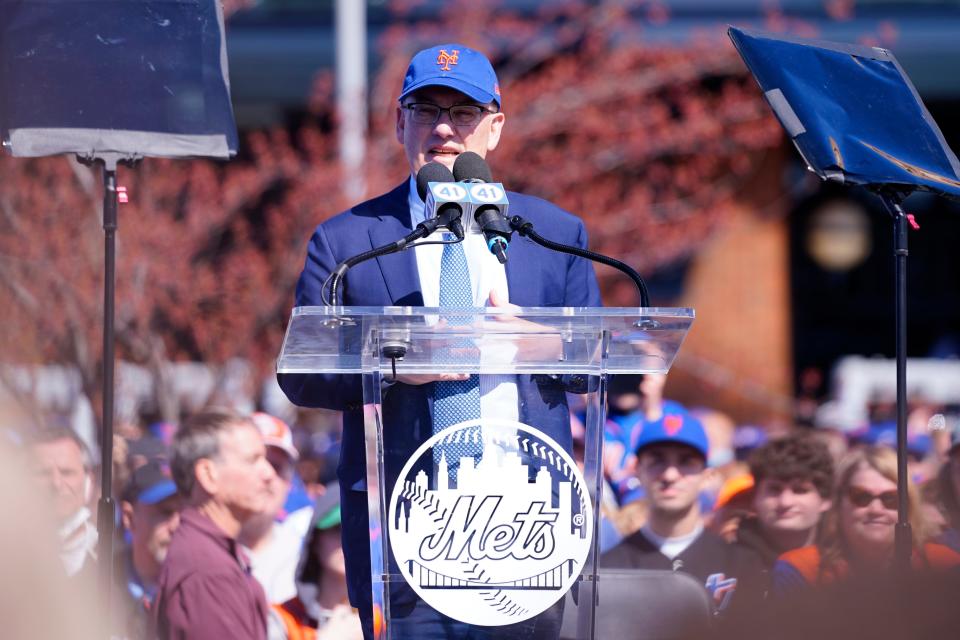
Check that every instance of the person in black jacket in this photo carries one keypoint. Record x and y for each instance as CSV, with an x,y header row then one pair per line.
x,y
793,487
672,466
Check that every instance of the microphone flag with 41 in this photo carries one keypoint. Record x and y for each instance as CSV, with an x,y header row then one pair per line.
x,y
470,196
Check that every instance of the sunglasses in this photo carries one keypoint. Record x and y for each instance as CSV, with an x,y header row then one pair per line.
x,y
862,498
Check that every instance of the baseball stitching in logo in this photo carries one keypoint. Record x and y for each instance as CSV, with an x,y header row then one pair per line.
x,y
495,541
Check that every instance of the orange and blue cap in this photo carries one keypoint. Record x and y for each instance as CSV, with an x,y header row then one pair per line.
x,y
456,66
674,428
276,433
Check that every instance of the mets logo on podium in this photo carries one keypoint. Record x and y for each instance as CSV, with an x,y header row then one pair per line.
x,y
497,534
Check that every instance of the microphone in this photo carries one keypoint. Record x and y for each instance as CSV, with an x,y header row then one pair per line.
x,y
489,199
444,206
444,200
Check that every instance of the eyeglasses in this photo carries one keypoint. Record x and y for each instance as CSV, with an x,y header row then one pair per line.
x,y
862,498
461,115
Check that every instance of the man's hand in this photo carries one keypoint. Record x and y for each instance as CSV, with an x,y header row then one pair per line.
x,y
424,378
496,300
545,347
343,624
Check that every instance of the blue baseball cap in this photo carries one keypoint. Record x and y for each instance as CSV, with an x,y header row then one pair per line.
x,y
456,66
150,483
676,428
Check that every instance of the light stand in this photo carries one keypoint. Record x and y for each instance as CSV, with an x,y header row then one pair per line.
x,y
855,118
113,82
903,536
106,505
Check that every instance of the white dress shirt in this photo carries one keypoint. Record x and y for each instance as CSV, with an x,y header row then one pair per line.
x,y
498,393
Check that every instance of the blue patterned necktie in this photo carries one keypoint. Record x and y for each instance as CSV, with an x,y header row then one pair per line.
x,y
457,401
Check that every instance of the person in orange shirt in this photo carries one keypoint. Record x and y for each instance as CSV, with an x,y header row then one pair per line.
x,y
858,534
321,609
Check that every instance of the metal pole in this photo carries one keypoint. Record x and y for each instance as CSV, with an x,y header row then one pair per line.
x,y
351,35
105,507
903,540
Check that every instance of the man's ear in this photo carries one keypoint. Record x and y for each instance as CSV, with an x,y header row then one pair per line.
x,y
400,124
207,475
496,128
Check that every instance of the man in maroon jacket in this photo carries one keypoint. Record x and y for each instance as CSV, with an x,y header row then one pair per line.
x,y
206,589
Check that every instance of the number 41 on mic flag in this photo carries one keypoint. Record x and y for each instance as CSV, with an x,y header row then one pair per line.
x,y
488,194
441,193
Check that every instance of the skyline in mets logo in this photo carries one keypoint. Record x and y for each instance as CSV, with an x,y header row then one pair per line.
x,y
495,540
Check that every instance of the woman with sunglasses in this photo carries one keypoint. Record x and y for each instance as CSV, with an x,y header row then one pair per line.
x,y
858,530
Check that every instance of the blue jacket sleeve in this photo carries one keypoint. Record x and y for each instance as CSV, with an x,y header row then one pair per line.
x,y
582,289
327,391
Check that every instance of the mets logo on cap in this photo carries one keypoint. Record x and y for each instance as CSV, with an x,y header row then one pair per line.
x,y
445,59
678,428
672,423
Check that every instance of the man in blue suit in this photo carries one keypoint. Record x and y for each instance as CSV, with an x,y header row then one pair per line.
x,y
450,104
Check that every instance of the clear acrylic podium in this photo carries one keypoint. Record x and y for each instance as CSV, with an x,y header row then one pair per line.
x,y
490,522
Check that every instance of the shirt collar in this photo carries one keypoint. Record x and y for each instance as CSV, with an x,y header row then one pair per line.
x,y
193,519
415,204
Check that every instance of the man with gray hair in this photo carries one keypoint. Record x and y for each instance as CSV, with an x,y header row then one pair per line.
x,y
206,589
62,465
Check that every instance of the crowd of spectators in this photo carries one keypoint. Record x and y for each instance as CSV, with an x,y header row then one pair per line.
x,y
228,525
766,518
223,529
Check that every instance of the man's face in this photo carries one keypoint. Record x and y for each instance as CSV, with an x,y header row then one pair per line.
x,y
243,473
443,142
329,549
672,475
280,481
59,468
152,525
792,506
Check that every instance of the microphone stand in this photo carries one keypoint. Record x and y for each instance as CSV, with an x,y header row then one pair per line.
x,y
525,228
449,219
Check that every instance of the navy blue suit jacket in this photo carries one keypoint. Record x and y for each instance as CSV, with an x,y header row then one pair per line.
x,y
536,277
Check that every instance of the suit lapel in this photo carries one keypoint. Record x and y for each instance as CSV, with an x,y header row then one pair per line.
x,y
399,270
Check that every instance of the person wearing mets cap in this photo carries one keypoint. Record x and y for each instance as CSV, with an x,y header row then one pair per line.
x,y
450,103
150,511
672,467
